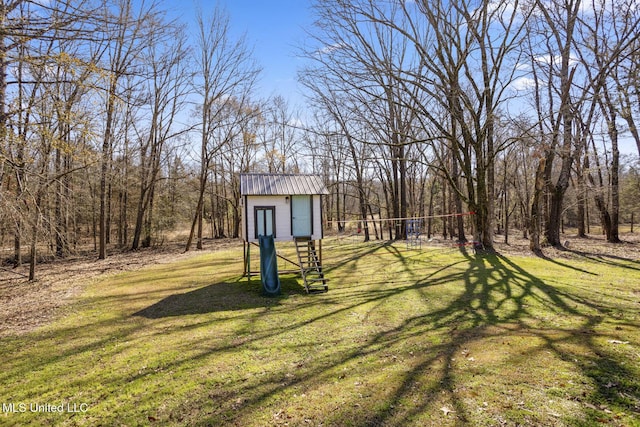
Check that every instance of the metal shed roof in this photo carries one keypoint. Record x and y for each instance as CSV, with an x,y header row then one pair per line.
x,y
266,184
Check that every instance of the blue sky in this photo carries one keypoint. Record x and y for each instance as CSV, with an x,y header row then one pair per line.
x,y
274,28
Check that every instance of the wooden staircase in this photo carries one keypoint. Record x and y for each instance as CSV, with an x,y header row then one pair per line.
x,y
310,265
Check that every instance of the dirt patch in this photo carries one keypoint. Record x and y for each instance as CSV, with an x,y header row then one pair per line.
x,y
24,305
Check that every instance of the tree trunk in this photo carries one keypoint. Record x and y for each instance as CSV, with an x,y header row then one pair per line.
x,y
552,232
148,224
482,209
395,193
601,205
102,219
536,208
458,202
137,231
105,166
614,236
403,192
197,219
339,219
505,191
108,205
432,190
443,209
59,222
34,241
581,196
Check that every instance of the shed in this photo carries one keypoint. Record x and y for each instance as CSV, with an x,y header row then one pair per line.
x,y
286,206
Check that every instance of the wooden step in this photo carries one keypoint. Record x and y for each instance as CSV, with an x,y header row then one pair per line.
x,y
310,267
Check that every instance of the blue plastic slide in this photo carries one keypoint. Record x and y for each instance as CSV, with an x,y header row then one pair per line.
x,y
269,266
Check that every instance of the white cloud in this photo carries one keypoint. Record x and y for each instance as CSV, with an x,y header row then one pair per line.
x,y
555,60
329,48
523,83
296,122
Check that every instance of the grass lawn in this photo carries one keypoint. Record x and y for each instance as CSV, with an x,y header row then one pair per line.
x,y
404,337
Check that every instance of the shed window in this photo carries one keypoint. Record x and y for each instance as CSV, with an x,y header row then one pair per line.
x,y
265,221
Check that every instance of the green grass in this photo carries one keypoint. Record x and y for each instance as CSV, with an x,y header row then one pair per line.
x,y
403,337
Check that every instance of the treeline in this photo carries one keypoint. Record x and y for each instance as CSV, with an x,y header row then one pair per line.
x,y
512,110
113,120
119,125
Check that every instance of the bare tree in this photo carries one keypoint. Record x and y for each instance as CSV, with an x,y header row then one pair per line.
x,y
236,131
467,51
43,44
26,27
278,135
569,81
340,111
330,158
227,74
166,90
611,33
127,32
360,63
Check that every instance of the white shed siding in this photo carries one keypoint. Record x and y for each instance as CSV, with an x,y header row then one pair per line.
x,y
282,206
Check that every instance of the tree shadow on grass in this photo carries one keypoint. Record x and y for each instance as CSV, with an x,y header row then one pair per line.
x,y
495,295
609,259
498,295
564,264
616,386
230,295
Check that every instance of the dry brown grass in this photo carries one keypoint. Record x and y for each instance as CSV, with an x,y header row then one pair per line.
x,y
25,306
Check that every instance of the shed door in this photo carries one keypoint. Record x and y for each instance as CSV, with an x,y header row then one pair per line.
x,y
301,216
265,221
